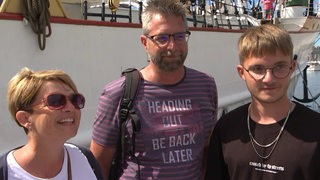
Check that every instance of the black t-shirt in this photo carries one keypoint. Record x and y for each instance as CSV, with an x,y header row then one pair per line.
x,y
296,155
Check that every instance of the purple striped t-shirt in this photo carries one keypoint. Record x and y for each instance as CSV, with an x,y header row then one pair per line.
x,y
176,122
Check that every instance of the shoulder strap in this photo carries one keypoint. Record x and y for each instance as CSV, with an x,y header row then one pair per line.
x,y
132,80
4,164
130,90
3,167
92,161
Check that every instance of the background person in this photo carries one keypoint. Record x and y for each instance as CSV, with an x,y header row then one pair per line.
x,y
47,105
279,8
268,8
177,105
271,137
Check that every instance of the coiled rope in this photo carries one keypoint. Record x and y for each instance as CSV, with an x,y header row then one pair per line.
x,y
38,15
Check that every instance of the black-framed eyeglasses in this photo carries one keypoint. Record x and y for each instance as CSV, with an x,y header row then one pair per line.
x,y
59,101
163,39
279,71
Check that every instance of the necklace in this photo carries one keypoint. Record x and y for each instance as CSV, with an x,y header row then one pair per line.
x,y
274,143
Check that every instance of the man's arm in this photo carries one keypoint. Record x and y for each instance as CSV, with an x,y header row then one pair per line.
x,y
104,156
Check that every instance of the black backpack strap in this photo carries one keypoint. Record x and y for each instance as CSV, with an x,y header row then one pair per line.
x,y
4,164
4,167
132,80
131,87
92,161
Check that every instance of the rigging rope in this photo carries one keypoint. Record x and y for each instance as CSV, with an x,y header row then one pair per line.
x,y
38,15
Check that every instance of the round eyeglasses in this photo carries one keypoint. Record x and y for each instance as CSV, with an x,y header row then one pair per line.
x,y
279,71
59,101
163,39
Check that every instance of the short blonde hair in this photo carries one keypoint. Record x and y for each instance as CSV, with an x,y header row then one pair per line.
x,y
25,85
266,39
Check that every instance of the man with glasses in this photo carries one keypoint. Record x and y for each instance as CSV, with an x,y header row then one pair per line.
x,y
271,137
177,105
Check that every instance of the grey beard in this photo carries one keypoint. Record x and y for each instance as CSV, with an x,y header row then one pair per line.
x,y
168,66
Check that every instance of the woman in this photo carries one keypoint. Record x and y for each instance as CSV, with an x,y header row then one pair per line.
x,y
47,105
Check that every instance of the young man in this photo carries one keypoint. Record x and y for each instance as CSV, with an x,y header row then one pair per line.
x,y
177,105
271,137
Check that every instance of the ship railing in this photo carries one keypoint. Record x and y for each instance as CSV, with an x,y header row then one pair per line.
x,y
228,14
113,12
219,14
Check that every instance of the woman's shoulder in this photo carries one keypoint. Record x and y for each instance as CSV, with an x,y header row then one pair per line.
x,y
79,154
74,148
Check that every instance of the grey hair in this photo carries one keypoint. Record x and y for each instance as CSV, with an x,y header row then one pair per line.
x,y
163,7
